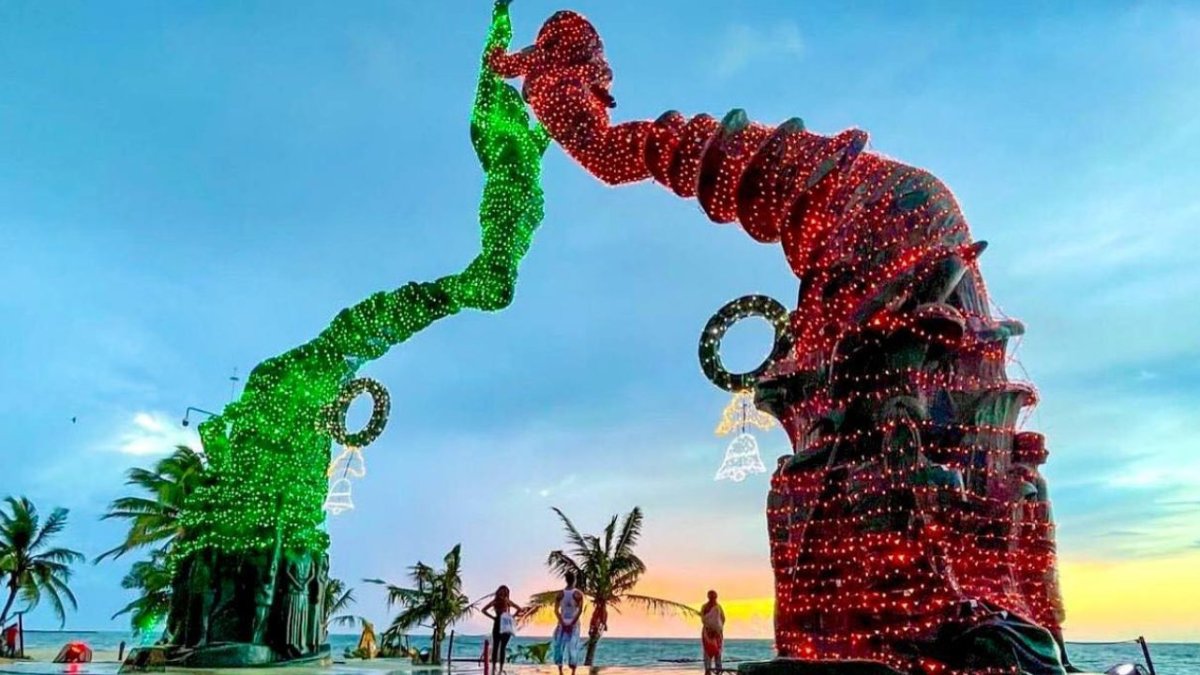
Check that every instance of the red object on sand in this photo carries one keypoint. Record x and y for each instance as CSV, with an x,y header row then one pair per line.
x,y
74,652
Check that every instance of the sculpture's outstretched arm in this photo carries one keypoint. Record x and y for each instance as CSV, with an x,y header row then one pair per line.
x,y
577,92
268,448
850,222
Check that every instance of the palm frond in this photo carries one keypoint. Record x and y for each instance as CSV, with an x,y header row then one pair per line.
x,y
62,556
347,620
539,605
574,538
609,530
631,529
338,600
659,605
560,563
408,619
133,507
153,516
396,594
341,602
54,524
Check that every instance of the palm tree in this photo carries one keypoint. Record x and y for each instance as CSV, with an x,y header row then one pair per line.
x,y
435,601
34,569
606,570
338,599
154,518
154,522
152,580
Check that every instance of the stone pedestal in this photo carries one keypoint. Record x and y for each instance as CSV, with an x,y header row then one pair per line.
x,y
241,655
249,609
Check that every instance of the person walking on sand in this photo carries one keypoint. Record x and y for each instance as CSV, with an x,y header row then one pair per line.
x,y
504,624
712,635
568,607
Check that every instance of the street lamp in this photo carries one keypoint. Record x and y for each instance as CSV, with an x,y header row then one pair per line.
x,y
199,410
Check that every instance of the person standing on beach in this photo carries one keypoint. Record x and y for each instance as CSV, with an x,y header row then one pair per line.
x,y
503,624
712,635
568,607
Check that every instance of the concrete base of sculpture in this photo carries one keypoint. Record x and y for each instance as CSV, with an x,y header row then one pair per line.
x,y
805,667
243,655
262,607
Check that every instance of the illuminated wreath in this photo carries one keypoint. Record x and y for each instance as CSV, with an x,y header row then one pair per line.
x,y
710,340
381,405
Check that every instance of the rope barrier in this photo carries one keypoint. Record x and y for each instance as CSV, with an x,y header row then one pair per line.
x,y
1139,640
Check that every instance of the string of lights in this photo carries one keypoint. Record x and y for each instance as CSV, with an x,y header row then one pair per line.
x,y
269,450
912,518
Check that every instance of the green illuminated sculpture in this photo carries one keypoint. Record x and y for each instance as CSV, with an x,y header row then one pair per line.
x,y
249,572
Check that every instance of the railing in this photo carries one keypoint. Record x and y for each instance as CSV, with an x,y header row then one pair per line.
x,y
1140,640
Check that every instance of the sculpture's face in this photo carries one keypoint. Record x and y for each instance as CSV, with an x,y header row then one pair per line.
x,y
567,40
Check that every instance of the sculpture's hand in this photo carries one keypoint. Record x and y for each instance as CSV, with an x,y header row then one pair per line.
x,y
501,31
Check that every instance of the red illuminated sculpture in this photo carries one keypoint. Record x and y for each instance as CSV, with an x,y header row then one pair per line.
x,y
911,525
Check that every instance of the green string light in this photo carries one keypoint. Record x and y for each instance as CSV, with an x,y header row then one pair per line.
x,y
268,451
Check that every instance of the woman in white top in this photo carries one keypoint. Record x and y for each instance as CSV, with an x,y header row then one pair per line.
x,y
568,607
503,624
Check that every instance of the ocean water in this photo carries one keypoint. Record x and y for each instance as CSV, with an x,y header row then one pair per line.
x,y
1169,658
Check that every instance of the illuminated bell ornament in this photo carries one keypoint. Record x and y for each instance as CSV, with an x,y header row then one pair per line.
x,y
741,413
741,459
349,464
339,497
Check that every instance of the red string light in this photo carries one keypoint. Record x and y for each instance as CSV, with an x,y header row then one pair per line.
x,y
911,496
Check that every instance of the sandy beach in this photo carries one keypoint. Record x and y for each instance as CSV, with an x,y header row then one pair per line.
x,y
105,663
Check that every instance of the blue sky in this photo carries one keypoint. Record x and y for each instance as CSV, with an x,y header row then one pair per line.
x,y
186,188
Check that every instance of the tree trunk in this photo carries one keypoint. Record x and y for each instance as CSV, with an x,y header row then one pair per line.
x,y
596,628
590,656
435,655
12,595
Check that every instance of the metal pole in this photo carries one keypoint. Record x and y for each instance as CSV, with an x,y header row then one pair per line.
x,y
188,412
1146,652
21,634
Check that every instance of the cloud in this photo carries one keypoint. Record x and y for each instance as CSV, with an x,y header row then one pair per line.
x,y
1122,464
153,433
1098,240
743,45
558,487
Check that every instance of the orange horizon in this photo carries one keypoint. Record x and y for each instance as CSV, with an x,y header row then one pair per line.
x,y
1105,600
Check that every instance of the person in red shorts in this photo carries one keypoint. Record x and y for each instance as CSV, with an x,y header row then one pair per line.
x,y
10,641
